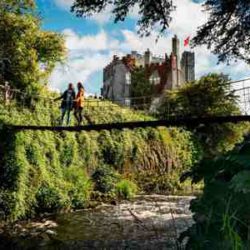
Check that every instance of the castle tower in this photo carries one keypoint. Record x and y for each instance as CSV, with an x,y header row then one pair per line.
x,y
175,62
188,66
176,49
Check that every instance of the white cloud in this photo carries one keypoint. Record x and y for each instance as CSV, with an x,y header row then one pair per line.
x,y
79,69
103,17
107,15
134,13
64,4
88,54
133,42
89,42
186,18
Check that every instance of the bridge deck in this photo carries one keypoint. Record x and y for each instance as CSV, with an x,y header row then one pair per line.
x,y
177,121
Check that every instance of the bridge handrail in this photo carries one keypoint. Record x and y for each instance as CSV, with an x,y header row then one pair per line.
x,y
146,100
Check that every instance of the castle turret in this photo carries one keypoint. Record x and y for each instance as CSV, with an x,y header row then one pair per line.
x,y
175,62
176,49
188,66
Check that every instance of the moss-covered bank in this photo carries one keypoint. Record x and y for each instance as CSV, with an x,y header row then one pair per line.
x,y
50,171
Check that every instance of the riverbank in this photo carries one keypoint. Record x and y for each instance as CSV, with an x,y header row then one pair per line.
x,y
146,222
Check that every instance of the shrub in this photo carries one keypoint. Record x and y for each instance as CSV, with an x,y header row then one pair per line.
x,y
80,187
222,213
220,100
7,203
126,189
49,199
154,182
105,179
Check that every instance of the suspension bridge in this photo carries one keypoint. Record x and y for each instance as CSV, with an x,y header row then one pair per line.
x,y
241,89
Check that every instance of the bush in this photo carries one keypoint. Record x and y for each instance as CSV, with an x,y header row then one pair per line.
x,y
80,187
49,199
126,189
7,203
220,100
222,212
153,182
105,179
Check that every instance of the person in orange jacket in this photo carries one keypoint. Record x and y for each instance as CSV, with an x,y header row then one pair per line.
x,y
79,103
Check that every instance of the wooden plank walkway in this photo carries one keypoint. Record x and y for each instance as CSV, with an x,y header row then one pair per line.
x,y
175,121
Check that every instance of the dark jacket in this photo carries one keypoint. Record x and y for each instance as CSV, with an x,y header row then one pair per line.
x,y
67,101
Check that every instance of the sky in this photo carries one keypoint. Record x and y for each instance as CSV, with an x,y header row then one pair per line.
x,y
92,42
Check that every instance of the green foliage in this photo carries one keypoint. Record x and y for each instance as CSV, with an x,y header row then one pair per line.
x,y
151,12
105,179
126,189
7,204
26,49
47,172
80,186
153,182
140,85
227,24
49,198
17,6
219,100
221,213
190,100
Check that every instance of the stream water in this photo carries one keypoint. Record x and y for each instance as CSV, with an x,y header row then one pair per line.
x,y
147,222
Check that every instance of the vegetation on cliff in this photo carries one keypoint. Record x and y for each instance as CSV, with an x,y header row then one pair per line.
x,y
47,171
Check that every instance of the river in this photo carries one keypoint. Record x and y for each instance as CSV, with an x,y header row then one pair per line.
x,y
146,222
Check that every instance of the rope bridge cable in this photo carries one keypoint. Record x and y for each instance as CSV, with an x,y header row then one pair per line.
x,y
92,104
15,93
120,100
175,121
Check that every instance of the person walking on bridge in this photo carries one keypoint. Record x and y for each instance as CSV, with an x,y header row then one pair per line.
x,y
67,104
79,103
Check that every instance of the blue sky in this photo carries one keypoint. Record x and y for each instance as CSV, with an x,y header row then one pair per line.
x,y
92,43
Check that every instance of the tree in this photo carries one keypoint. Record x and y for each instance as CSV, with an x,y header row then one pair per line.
x,y
151,11
218,100
226,32
27,53
227,29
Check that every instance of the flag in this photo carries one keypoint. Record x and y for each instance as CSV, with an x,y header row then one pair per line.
x,y
186,41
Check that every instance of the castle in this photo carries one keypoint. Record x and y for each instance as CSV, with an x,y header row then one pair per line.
x,y
165,73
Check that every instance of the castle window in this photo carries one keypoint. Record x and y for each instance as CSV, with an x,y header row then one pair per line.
x,y
155,78
127,102
128,78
